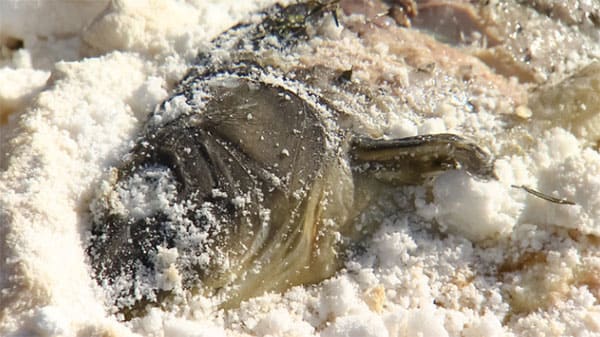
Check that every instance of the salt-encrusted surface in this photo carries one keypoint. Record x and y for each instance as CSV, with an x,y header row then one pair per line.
x,y
480,258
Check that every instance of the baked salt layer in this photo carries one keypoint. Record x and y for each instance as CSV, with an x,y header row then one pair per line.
x,y
479,258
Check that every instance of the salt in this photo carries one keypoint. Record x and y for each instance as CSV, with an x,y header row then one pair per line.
x,y
67,132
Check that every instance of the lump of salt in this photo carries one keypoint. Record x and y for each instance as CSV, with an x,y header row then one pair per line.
x,y
423,322
483,209
369,325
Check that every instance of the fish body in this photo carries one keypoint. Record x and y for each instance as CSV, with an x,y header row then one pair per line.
x,y
248,178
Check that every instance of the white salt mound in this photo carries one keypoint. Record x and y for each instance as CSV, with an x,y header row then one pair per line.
x,y
477,210
464,257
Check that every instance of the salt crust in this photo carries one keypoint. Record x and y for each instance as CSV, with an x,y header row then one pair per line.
x,y
412,280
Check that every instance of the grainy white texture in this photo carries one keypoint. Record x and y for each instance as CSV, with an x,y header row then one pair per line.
x,y
426,272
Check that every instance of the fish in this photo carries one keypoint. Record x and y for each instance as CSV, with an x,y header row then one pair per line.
x,y
249,178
